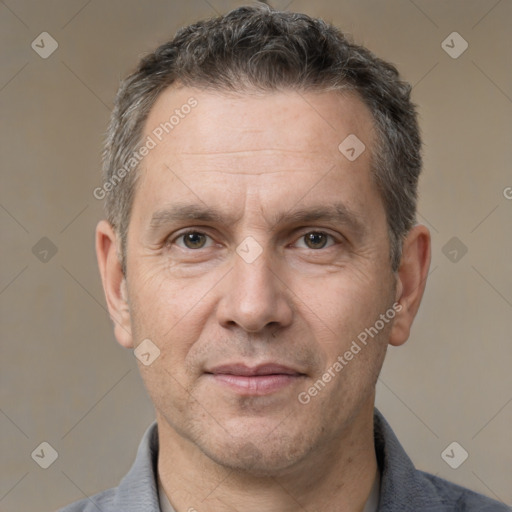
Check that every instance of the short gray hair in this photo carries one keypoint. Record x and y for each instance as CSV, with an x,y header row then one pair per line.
x,y
257,47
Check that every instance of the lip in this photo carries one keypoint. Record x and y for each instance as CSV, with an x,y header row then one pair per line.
x,y
258,380
251,371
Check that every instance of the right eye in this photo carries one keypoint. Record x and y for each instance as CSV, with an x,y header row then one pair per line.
x,y
192,240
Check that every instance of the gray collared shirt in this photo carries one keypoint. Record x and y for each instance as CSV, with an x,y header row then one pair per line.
x,y
402,487
371,504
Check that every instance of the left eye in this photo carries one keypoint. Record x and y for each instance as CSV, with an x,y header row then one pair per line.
x,y
316,239
192,240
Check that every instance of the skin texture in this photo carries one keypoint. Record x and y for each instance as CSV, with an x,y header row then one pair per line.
x,y
255,158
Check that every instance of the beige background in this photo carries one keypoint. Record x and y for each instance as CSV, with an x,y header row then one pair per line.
x,y
64,378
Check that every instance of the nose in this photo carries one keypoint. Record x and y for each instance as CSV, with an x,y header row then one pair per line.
x,y
254,297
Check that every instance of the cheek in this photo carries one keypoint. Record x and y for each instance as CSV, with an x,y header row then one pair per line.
x,y
163,311
353,354
346,308
344,302
160,301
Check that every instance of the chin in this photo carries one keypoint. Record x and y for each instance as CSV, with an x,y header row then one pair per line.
x,y
254,459
260,452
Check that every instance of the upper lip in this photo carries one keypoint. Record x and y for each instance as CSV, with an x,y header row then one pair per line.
x,y
250,371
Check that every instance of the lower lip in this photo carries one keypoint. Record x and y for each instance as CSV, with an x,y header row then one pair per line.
x,y
255,384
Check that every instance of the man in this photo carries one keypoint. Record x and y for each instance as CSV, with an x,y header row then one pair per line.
x,y
259,254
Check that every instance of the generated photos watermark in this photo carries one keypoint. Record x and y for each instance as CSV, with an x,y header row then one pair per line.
x,y
355,348
151,142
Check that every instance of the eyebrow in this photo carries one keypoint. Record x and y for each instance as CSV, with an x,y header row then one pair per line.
x,y
337,212
179,212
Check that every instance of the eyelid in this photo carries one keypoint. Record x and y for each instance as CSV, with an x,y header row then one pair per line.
x,y
336,239
170,240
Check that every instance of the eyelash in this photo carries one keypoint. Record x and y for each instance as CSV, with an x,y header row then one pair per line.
x,y
171,241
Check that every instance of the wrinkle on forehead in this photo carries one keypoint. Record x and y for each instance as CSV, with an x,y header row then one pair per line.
x,y
254,162
258,151
221,124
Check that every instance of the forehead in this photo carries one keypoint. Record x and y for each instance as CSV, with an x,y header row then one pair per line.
x,y
272,148
222,122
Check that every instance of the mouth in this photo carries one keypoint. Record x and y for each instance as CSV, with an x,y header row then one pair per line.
x,y
258,380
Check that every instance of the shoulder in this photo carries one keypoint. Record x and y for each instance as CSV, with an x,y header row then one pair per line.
x,y
104,501
460,499
138,489
407,489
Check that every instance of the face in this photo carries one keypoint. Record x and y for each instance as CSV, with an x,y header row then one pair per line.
x,y
257,254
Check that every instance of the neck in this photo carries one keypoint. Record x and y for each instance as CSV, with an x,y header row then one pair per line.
x,y
337,476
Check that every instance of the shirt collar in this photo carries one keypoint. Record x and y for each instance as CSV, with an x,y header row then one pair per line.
x,y
138,490
371,504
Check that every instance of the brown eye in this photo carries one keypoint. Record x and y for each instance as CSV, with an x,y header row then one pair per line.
x,y
193,240
316,240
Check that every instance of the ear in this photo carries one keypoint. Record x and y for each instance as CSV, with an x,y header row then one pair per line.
x,y
411,279
114,282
